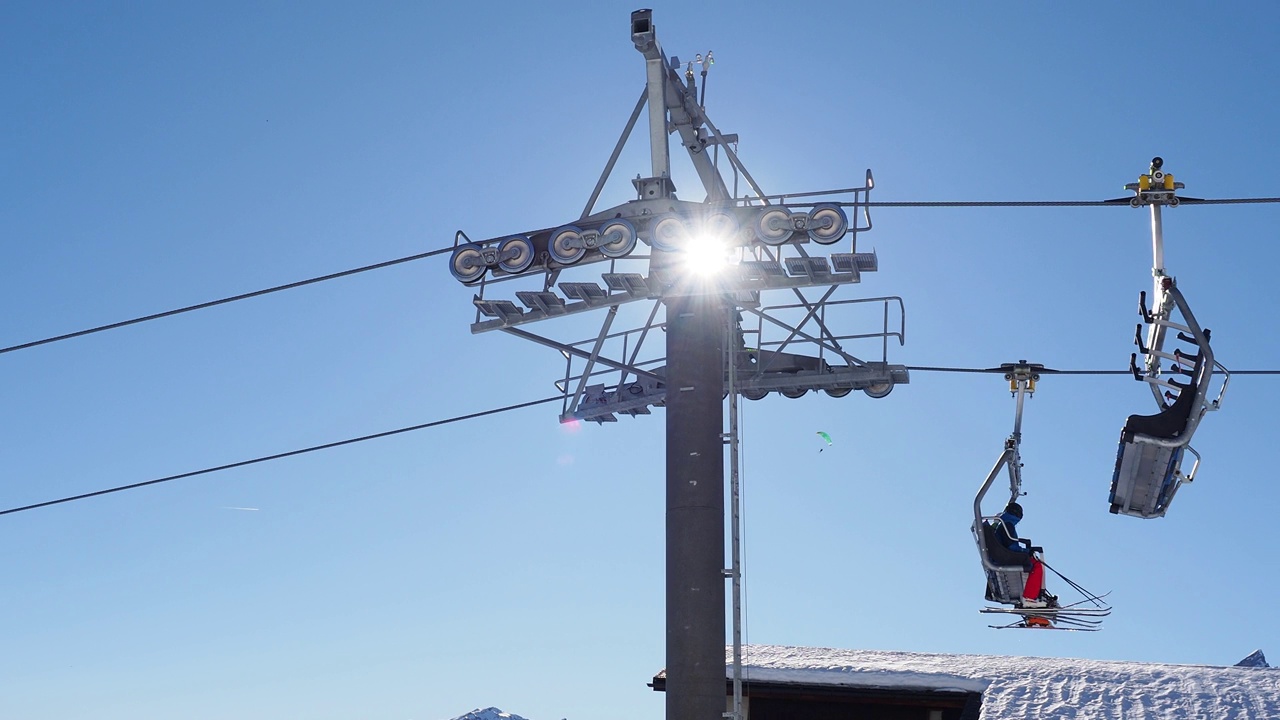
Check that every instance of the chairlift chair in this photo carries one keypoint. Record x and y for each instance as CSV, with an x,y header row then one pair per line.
x,y
1148,470
1005,569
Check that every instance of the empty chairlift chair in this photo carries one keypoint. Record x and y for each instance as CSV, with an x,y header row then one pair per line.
x,y
1148,470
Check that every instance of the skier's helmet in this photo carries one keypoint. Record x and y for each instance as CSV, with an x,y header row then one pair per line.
x,y
1014,509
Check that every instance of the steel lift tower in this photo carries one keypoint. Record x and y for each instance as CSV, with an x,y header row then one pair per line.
x,y
702,279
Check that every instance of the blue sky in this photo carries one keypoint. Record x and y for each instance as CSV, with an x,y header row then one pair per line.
x,y
160,155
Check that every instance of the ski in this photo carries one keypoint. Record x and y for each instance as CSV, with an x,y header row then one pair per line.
x,y
1062,620
1031,621
1022,627
1068,618
1052,612
1039,620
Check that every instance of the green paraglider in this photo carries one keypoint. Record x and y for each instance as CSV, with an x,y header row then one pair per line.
x,y
826,437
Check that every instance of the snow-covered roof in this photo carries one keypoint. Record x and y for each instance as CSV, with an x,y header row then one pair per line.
x,y
1033,688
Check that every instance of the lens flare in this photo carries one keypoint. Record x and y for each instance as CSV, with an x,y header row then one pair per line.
x,y
705,254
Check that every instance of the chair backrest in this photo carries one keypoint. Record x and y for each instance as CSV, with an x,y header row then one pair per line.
x,y
1006,574
1167,424
995,537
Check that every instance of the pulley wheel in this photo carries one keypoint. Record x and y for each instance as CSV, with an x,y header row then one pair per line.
x,y
773,226
566,246
667,233
516,253
467,264
827,223
617,238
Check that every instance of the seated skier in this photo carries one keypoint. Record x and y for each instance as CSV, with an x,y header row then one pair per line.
x,y
1021,551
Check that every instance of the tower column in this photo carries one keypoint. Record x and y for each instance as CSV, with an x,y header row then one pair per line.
x,y
695,507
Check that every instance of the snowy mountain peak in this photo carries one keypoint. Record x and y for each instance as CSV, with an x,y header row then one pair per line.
x,y
1257,659
489,713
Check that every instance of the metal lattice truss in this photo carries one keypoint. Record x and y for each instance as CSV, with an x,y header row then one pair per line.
x,y
648,245
770,351
790,347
